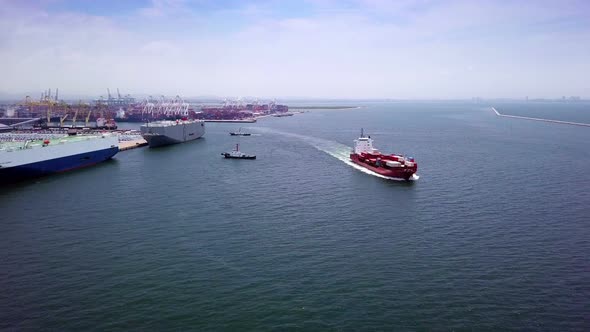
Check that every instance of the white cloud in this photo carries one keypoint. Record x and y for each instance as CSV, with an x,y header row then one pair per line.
x,y
444,51
164,8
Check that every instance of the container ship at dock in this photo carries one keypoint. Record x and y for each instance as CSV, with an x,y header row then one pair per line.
x,y
391,166
34,158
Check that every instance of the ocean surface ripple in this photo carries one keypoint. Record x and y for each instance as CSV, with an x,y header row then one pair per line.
x,y
494,235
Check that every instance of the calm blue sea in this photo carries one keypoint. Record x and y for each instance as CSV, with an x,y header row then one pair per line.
x,y
495,235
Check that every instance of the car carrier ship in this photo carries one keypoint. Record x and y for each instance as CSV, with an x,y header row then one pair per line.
x,y
33,158
167,132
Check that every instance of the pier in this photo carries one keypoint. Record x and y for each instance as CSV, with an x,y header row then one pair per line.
x,y
233,121
540,119
132,144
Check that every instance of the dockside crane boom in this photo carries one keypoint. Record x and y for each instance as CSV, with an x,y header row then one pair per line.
x,y
99,106
48,116
62,119
29,104
76,114
88,117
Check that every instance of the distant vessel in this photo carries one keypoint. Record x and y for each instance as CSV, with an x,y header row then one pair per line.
x,y
391,166
280,115
161,133
237,154
239,133
33,158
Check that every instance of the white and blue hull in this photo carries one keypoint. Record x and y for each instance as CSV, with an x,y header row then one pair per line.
x,y
39,161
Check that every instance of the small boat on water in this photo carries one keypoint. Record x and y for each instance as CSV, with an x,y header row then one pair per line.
x,y
237,154
239,133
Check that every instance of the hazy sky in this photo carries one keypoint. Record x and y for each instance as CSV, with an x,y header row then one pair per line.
x,y
309,48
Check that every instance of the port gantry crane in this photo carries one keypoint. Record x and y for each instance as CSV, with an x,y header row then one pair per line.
x,y
99,105
63,118
76,114
46,104
49,102
87,116
148,106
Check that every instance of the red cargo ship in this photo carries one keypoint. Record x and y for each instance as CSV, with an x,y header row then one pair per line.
x,y
391,166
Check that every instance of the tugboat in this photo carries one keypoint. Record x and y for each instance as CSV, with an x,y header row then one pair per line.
x,y
239,133
392,165
237,154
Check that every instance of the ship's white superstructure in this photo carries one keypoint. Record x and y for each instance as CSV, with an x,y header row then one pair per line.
x,y
171,132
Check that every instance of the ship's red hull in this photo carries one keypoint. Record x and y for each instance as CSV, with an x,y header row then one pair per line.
x,y
397,172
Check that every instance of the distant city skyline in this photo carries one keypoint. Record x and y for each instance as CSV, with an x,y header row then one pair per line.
x,y
351,49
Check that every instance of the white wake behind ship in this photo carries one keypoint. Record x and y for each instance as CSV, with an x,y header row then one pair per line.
x,y
161,133
37,157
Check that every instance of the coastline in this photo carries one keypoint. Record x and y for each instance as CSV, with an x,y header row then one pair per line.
x,y
295,108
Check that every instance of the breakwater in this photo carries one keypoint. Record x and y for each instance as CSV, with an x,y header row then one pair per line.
x,y
541,119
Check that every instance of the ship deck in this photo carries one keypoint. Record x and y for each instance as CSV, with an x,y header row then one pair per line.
x,y
17,141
